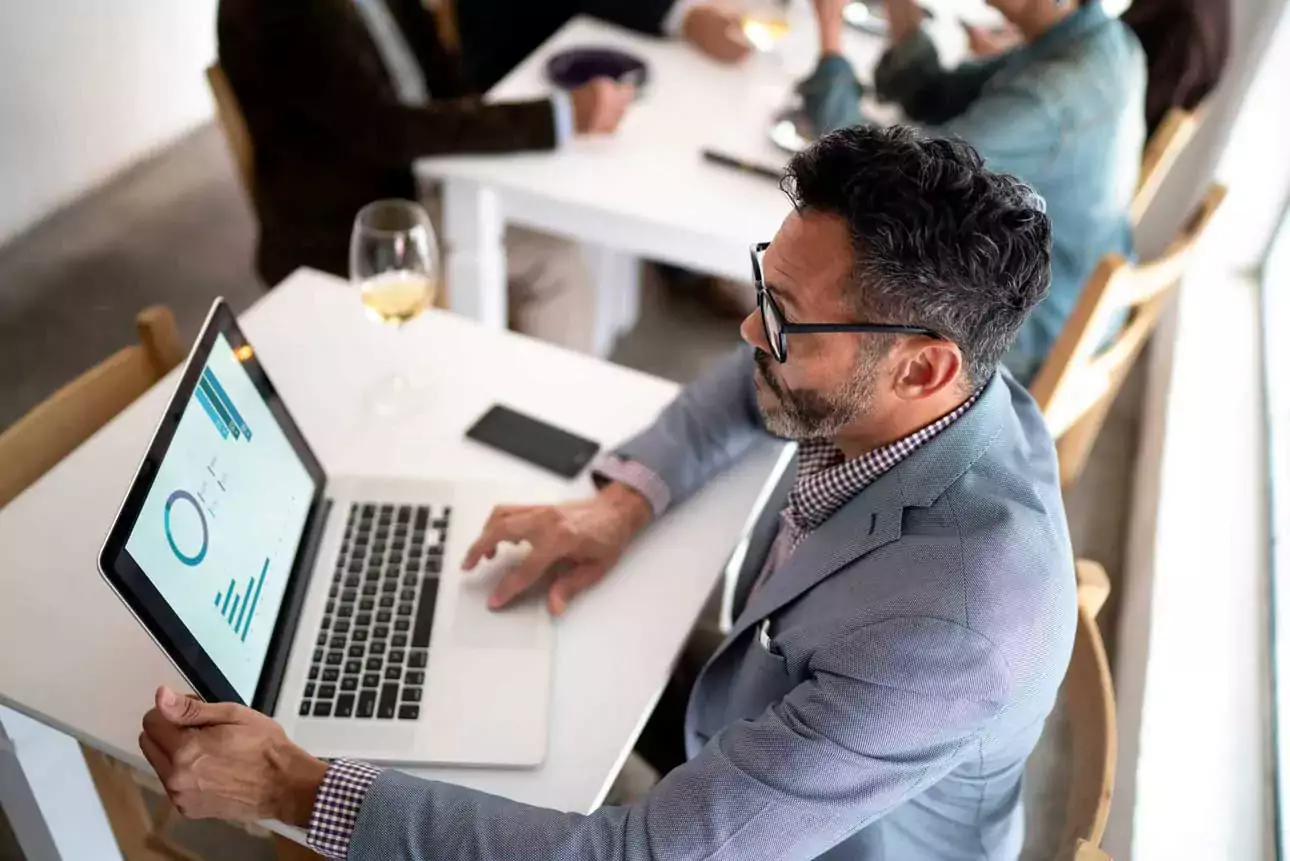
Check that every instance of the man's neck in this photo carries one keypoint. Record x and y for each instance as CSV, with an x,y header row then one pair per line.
x,y
860,438
1044,19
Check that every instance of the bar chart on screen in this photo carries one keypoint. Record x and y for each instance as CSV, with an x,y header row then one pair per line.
x,y
238,608
220,408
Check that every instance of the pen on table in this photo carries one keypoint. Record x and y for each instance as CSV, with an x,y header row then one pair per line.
x,y
737,164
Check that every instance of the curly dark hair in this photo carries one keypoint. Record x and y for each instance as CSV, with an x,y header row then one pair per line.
x,y
939,241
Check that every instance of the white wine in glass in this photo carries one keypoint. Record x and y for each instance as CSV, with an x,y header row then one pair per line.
x,y
764,23
394,263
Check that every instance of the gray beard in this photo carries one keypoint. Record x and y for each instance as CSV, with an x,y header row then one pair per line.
x,y
810,414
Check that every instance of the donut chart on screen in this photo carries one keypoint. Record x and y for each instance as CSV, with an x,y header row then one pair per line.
x,y
193,559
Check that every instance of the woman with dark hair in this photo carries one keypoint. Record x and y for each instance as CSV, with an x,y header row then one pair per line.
x,y
1186,43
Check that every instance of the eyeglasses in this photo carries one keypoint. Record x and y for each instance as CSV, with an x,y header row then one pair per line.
x,y
778,329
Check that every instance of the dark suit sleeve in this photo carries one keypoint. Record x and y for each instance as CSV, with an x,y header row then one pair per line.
x,y
329,82
647,16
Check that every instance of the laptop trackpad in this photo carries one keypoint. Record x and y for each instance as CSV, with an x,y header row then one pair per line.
x,y
519,626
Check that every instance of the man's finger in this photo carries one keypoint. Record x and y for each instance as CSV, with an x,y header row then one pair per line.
x,y
156,757
495,531
162,732
190,711
518,580
571,583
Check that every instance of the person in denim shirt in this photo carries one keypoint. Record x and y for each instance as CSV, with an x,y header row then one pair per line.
x,y
1063,111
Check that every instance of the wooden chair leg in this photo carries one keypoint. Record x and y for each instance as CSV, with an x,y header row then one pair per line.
x,y
290,850
137,834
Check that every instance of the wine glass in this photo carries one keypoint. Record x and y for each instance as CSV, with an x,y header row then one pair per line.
x,y
765,23
394,263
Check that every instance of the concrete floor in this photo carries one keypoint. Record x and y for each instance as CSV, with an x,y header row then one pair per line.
x,y
177,229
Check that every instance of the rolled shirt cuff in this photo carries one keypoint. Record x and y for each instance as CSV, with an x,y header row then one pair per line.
x,y
562,111
635,475
336,807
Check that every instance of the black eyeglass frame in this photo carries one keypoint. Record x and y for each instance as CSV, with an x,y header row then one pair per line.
x,y
767,306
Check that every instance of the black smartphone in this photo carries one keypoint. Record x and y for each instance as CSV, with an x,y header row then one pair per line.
x,y
537,442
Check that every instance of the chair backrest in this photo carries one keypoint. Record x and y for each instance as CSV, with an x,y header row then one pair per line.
x,y
231,121
1090,708
1170,139
1082,374
55,427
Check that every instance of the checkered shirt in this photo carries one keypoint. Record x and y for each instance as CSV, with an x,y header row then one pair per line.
x,y
826,480
336,806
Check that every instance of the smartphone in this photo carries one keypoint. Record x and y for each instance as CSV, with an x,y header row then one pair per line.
x,y
535,441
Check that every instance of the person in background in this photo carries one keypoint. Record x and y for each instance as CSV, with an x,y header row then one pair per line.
x,y
1186,43
497,35
1063,111
891,665
341,96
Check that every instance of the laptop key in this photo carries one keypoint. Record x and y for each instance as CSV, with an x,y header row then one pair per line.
x,y
345,611
434,565
410,579
330,674
414,677
387,601
393,673
402,624
326,692
318,656
322,638
399,640
305,707
338,642
344,705
369,588
349,595
371,680
354,666
342,627
363,620
383,616
374,663
366,704
377,647
408,594
417,659
309,691
425,614
349,683
334,659
389,699
412,695
322,709
313,673
423,516
409,712
380,632
396,656
367,603
405,609
356,650
360,635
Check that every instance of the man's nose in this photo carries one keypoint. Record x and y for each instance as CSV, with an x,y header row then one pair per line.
x,y
753,332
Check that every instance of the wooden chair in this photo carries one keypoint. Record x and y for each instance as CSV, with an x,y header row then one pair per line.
x,y
1170,139
1079,379
233,124
1090,710
30,448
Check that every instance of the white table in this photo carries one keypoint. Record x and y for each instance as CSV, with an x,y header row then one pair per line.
x,y
644,192
72,657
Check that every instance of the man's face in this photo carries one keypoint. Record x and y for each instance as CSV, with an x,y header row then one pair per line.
x,y
829,380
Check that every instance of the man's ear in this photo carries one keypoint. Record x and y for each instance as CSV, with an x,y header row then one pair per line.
x,y
926,367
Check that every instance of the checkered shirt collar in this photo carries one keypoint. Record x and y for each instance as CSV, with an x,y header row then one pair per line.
x,y
826,480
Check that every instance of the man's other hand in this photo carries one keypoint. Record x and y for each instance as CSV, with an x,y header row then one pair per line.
x,y
717,32
576,543
226,761
599,106
904,17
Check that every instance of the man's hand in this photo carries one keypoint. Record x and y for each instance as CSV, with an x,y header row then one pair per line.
x,y
599,105
828,15
717,32
225,761
904,17
577,543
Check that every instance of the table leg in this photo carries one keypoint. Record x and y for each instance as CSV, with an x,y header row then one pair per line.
x,y
616,276
475,268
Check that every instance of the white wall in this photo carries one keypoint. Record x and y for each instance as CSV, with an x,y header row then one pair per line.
x,y
88,87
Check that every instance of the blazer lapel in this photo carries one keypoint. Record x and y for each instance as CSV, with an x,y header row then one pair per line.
x,y
873,518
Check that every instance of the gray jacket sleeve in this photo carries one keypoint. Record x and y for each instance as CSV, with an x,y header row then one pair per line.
x,y
709,426
885,711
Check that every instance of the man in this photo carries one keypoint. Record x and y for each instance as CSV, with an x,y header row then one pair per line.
x,y
1063,111
497,35
897,654
341,96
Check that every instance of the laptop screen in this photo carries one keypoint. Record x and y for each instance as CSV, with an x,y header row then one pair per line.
x,y
220,527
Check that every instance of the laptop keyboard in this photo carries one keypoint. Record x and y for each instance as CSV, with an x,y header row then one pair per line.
x,y
370,657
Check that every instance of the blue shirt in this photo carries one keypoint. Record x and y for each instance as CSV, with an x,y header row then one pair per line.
x,y
1063,113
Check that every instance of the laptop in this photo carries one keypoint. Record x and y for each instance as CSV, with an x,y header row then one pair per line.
x,y
334,603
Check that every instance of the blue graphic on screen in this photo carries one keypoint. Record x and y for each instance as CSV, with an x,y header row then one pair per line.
x,y
222,522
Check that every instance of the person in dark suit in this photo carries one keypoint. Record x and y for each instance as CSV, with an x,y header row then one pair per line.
x,y
341,96
491,49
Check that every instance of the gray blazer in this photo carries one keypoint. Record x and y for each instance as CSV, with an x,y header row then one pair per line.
x,y
917,641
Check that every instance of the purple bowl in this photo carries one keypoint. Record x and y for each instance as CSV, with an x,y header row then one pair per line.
x,y
570,69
